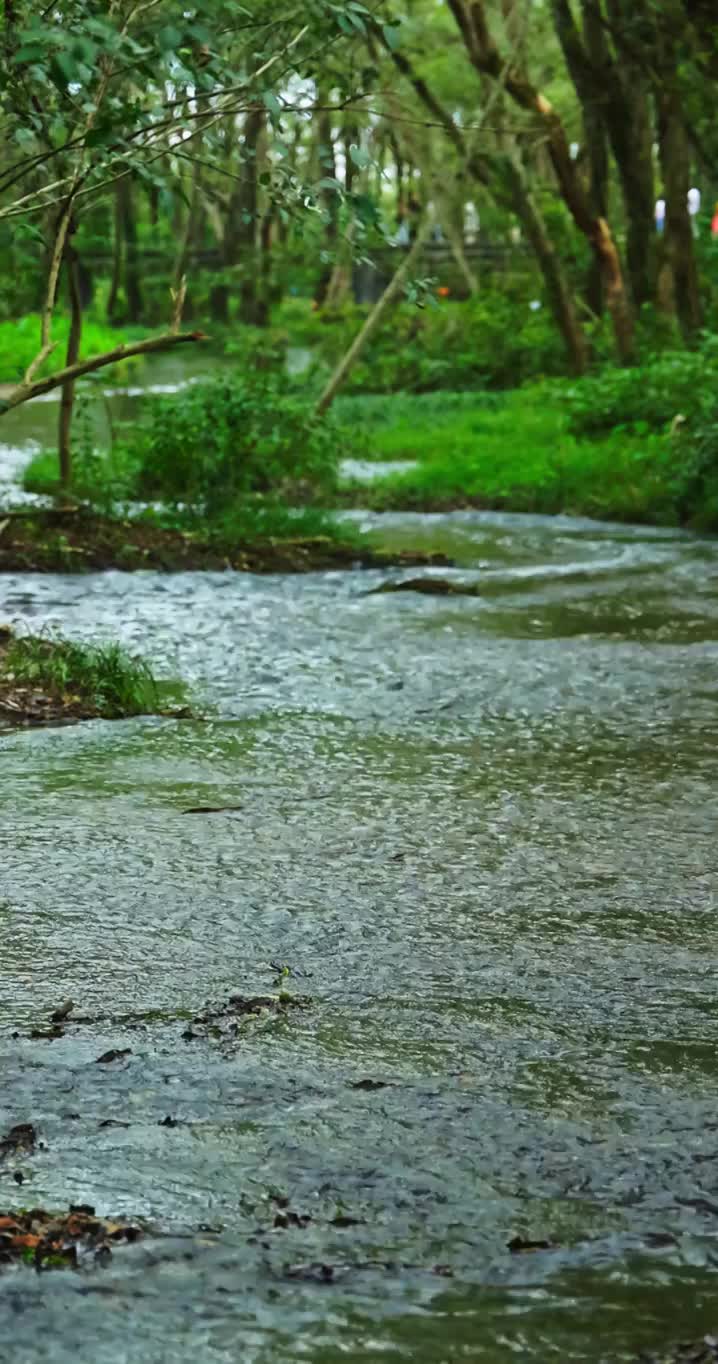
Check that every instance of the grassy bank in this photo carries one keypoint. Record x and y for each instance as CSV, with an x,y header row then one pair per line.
x,y
81,540
45,679
521,452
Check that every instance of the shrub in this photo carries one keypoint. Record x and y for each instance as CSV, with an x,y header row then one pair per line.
x,y
695,466
231,437
491,341
647,397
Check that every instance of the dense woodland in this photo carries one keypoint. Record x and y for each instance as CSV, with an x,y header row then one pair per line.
x,y
534,181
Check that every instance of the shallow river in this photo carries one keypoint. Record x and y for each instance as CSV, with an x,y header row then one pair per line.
x,y
481,833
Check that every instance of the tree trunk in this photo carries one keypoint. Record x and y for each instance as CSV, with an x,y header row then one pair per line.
x,y
67,393
558,291
117,256
486,58
679,253
190,234
329,200
614,102
244,229
390,295
133,288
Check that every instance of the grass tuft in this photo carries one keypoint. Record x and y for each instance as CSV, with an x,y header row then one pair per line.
x,y
101,678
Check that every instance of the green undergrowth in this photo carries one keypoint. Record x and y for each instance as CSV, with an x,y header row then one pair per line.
x,y
100,678
493,341
244,446
524,455
20,343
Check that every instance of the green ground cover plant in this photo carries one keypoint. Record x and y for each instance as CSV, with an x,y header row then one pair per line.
x,y
103,679
524,456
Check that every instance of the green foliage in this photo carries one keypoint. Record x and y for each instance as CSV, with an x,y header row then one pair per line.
x,y
522,456
249,443
103,676
234,436
648,397
20,343
266,518
390,424
491,341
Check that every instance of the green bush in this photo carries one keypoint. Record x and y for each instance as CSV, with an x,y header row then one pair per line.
x,y
237,435
695,466
648,397
491,341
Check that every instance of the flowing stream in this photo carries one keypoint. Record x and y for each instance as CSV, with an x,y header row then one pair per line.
x,y
481,834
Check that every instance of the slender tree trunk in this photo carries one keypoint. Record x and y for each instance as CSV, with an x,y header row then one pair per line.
x,y
67,393
190,235
390,295
558,291
133,288
245,227
117,255
679,253
329,199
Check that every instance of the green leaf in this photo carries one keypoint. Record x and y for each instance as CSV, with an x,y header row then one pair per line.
x,y
391,35
32,52
271,103
169,38
359,157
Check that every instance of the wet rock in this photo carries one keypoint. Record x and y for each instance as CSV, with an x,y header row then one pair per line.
x,y
22,1137
429,587
225,1021
518,1246
317,1273
211,809
370,1084
59,1015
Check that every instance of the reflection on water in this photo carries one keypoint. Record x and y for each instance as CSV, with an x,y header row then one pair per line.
x,y
481,832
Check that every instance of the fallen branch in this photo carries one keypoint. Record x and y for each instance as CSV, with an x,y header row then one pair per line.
x,y
25,391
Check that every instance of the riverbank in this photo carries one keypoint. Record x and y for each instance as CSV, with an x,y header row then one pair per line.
x,y
526,451
45,680
79,540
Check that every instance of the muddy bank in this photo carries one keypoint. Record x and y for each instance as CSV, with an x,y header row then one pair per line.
x,y
78,540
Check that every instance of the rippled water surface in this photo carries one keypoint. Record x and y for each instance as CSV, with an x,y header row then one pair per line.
x,y
481,832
